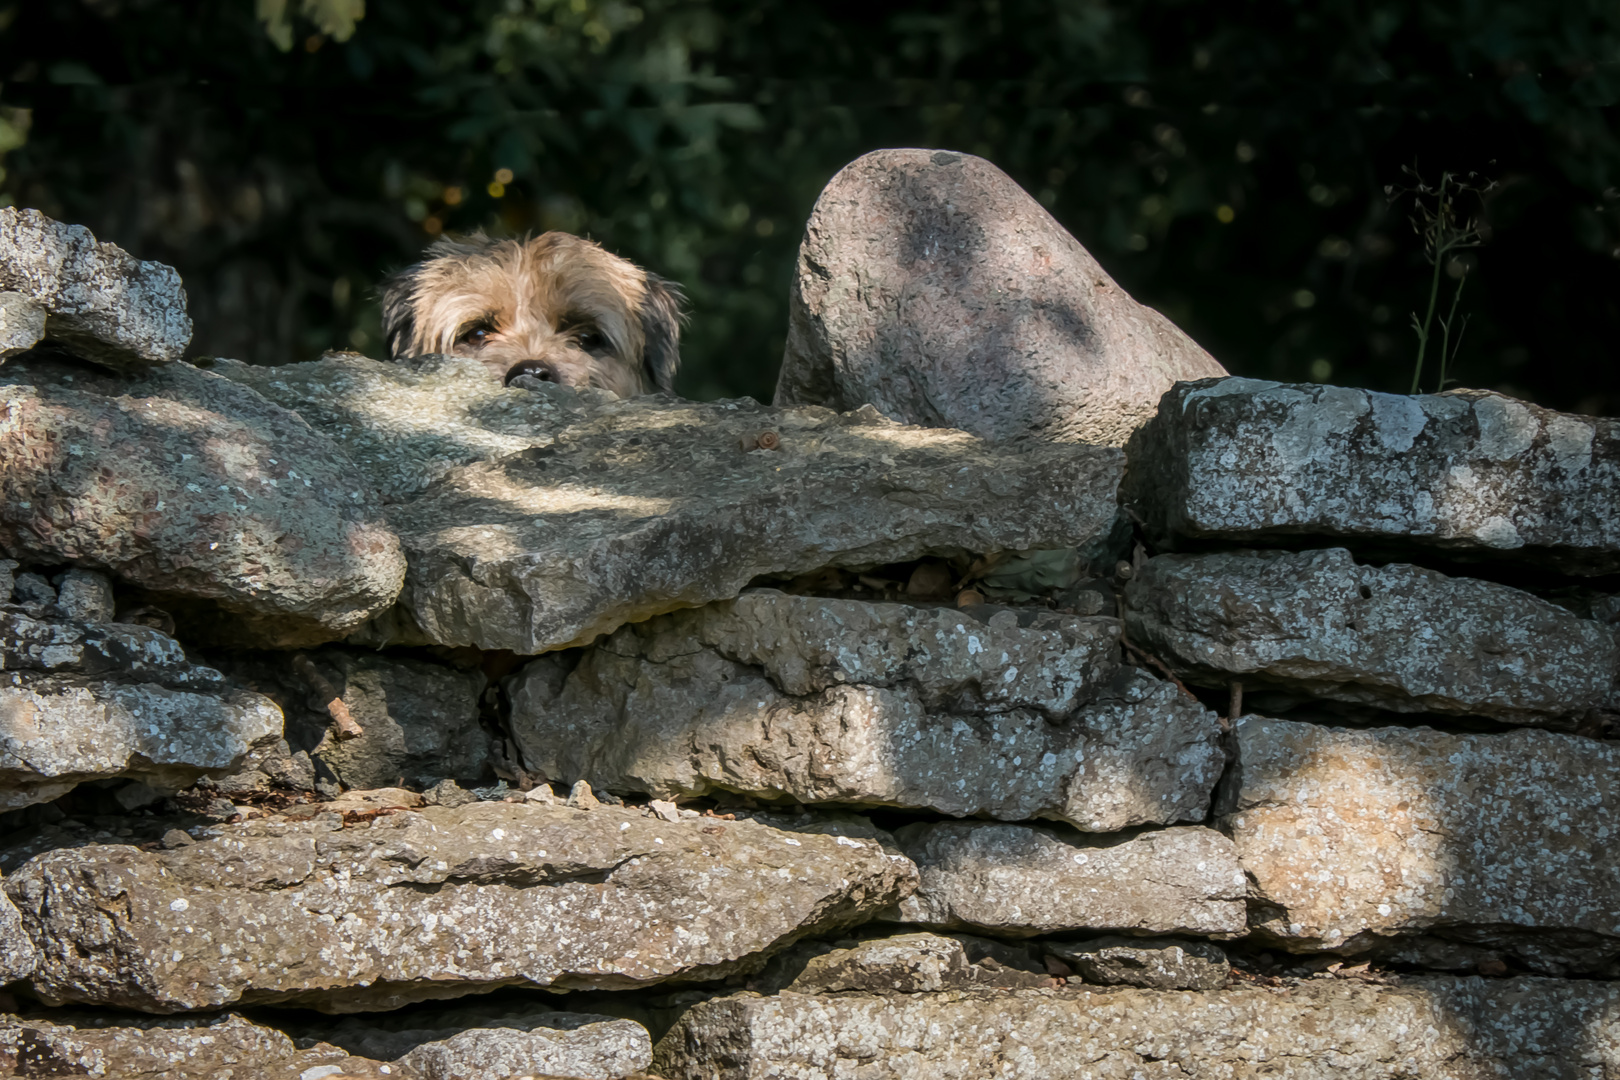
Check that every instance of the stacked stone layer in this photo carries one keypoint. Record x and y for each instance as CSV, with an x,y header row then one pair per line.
x,y
386,692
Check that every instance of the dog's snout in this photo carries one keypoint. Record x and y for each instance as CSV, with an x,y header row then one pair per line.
x,y
539,369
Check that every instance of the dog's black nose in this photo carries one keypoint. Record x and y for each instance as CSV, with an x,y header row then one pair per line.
x,y
538,369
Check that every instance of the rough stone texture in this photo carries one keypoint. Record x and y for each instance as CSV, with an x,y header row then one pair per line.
x,y
34,638
1024,880
29,589
1152,965
405,424
1434,1028
875,704
930,285
420,718
225,1047
85,594
1397,637
1351,837
562,1044
103,303
568,515
413,905
1477,474
17,953
648,506
269,766
88,700
187,484
22,324
902,963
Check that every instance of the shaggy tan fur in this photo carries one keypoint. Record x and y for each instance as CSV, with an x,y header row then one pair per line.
x,y
555,307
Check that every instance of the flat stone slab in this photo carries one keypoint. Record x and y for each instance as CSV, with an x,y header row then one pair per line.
x,y
1153,964
188,485
58,733
555,517
1025,880
95,700
1435,1028
840,701
1355,837
1397,637
903,963
185,1048
100,301
405,424
930,285
460,1044
413,905
1473,474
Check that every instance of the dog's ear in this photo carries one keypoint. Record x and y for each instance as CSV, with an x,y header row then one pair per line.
x,y
661,318
399,310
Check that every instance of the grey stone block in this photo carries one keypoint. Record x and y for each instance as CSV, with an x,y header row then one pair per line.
x,y
1435,1028
1357,839
100,301
1472,474
1024,881
1022,715
1395,637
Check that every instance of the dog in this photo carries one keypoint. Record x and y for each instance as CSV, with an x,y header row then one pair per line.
x,y
555,307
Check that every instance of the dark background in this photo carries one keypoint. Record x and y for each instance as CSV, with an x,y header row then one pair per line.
x,y
693,138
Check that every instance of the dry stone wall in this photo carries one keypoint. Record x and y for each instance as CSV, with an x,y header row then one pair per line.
x,y
369,720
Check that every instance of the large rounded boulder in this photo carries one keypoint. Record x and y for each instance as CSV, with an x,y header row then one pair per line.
x,y
932,286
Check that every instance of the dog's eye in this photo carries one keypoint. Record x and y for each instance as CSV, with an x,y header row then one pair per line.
x,y
591,339
475,335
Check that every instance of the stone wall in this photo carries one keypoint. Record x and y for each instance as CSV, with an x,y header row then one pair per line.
x,y
377,721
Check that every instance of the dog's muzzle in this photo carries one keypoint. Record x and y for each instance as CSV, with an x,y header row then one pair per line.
x,y
538,369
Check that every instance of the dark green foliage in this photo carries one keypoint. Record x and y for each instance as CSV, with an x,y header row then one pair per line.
x,y
693,137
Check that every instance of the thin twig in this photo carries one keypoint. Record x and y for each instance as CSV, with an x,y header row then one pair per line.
x,y
339,712
1447,353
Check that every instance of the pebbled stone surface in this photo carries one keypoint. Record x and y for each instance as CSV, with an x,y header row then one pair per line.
x,y
1026,880
1355,839
188,485
22,324
1436,1028
1471,473
227,1047
1396,637
401,906
575,1045
1156,964
96,700
835,701
100,301
554,517
17,953
933,287
902,963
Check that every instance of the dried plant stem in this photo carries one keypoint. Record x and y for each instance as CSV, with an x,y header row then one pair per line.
x,y
1447,352
1423,330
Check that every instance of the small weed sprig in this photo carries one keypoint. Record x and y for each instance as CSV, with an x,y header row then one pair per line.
x,y
1435,218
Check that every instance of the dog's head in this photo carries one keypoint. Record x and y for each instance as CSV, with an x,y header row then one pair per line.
x,y
556,307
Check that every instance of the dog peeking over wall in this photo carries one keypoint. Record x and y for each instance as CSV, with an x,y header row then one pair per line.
x,y
555,307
